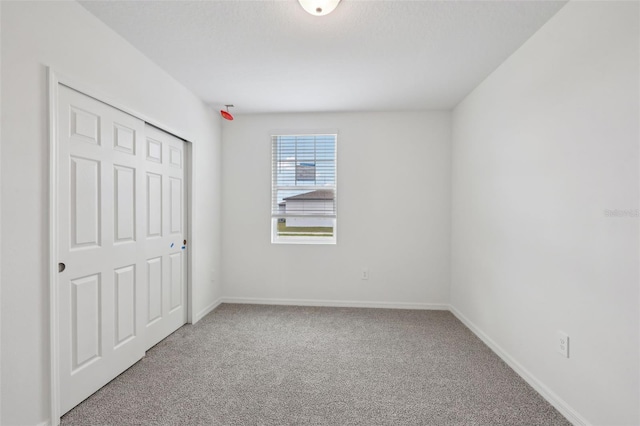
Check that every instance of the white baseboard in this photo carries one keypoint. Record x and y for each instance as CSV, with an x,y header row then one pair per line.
x,y
336,303
45,423
203,313
553,399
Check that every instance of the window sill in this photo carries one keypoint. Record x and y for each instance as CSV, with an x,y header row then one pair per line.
x,y
306,241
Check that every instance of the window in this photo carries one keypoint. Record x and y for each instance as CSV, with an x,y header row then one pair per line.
x,y
303,189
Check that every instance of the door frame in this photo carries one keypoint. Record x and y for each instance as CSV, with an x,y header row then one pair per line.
x,y
56,79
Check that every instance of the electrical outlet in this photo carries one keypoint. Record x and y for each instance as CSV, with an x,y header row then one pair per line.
x,y
562,342
365,274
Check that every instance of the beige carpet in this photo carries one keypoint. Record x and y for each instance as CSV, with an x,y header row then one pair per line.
x,y
280,365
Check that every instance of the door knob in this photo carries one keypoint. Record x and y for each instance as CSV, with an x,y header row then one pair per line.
x,y
61,267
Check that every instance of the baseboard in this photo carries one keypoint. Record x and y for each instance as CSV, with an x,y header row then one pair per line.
x,y
203,313
553,399
45,423
336,303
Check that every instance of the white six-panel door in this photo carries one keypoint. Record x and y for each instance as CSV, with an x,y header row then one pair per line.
x,y
165,243
121,209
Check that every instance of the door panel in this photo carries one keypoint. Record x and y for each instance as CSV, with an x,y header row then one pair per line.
x,y
85,202
86,329
154,205
154,150
84,126
175,201
154,288
124,200
176,280
166,234
125,307
175,157
100,198
124,139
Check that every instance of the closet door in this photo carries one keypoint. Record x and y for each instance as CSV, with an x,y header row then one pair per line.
x,y
165,235
101,244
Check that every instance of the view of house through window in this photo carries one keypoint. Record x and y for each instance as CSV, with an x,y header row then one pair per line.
x,y
303,201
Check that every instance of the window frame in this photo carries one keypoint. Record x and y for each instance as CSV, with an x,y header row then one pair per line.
x,y
275,237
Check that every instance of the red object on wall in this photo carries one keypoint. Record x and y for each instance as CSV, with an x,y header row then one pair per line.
x,y
226,114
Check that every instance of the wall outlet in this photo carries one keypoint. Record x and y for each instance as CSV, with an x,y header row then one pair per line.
x,y
562,343
364,274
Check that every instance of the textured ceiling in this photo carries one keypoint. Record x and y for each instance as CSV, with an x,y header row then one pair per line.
x,y
271,56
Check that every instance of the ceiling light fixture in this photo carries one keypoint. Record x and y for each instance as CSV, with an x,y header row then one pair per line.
x,y
319,7
226,114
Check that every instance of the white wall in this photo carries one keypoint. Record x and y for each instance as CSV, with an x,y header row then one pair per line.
x,y
65,36
1,120
384,160
541,149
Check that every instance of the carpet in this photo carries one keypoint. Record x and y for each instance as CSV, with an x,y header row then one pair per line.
x,y
289,365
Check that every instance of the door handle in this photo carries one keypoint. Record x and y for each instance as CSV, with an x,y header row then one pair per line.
x,y
61,267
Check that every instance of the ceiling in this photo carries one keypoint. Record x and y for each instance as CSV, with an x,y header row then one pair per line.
x,y
271,56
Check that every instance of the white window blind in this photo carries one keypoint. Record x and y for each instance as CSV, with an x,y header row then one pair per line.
x,y
303,191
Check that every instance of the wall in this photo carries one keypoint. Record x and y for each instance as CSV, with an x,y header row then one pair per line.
x,y
385,160
65,36
1,121
542,150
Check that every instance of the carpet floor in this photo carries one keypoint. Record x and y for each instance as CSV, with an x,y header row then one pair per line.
x,y
285,365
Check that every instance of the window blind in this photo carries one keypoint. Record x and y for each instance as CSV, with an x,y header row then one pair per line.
x,y
303,176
